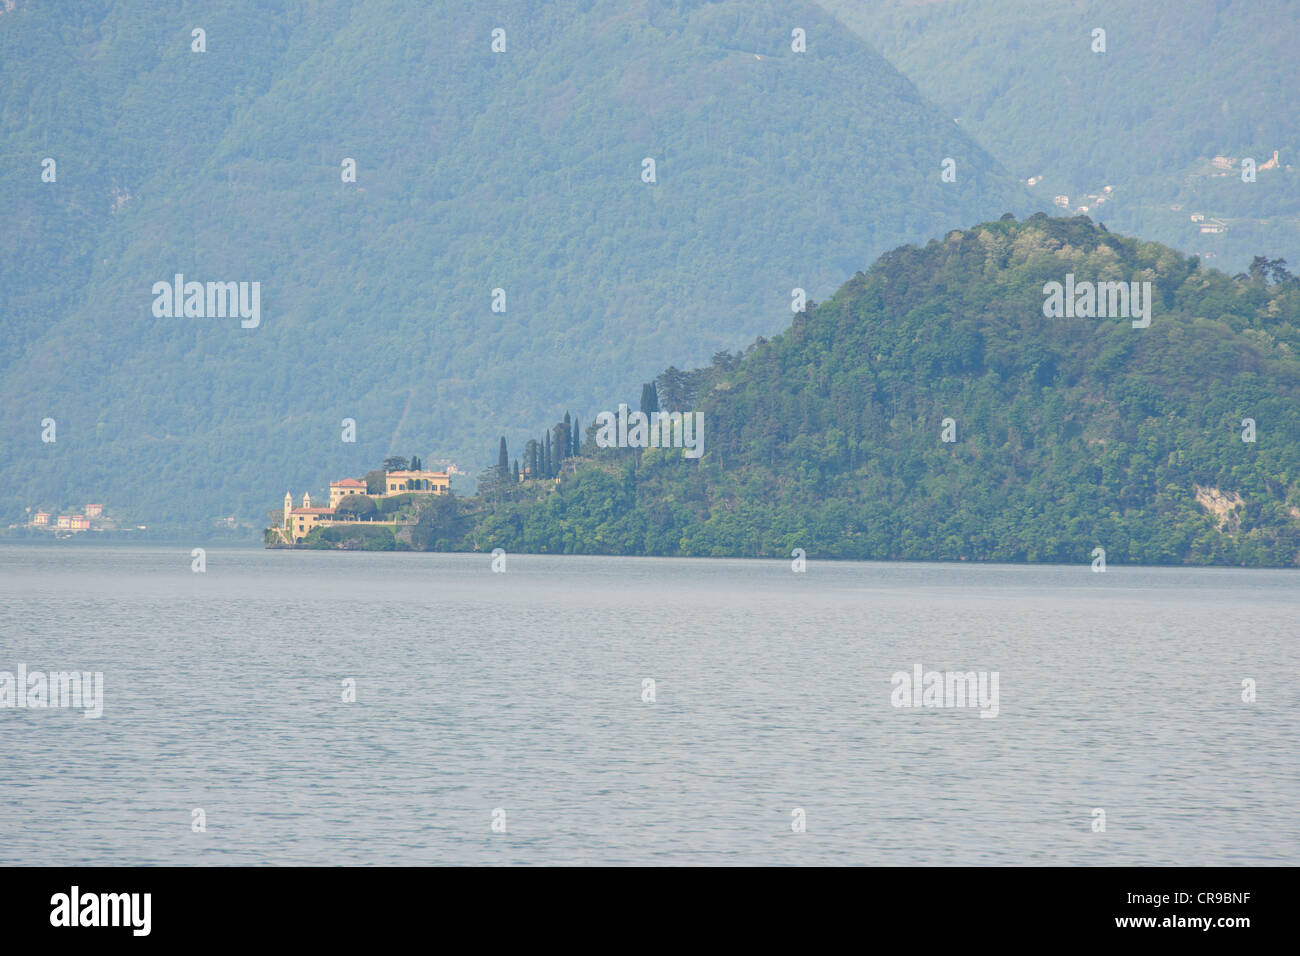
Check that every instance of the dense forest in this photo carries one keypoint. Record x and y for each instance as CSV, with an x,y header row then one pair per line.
x,y
1065,434
520,171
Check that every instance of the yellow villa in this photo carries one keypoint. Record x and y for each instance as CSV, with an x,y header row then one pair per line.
x,y
341,489
299,521
417,482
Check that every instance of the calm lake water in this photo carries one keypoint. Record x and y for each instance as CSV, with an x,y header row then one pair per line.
x,y
524,691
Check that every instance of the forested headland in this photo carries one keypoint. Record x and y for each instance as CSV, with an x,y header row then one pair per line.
x,y
930,411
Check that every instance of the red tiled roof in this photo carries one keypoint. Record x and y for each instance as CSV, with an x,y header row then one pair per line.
x,y
347,483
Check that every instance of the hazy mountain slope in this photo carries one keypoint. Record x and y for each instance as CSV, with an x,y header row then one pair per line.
x,y
1069,433
475,171
1177,85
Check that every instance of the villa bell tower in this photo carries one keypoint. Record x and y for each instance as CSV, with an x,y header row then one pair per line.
x,y
288,507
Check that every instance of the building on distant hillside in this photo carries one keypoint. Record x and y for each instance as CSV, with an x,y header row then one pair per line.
x,y
79,523
417,482
1198,217
341,489
1224,162
1062,201
64,522
41,519
1214,226
1271,164
94,511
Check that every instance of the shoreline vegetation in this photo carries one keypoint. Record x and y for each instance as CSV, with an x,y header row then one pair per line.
x,y
930,411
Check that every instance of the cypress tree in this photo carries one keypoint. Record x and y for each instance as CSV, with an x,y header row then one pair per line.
x,y
561,444
503,459
547,466
649,398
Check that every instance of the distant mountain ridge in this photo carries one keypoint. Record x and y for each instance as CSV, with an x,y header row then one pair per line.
x,y
1145,106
